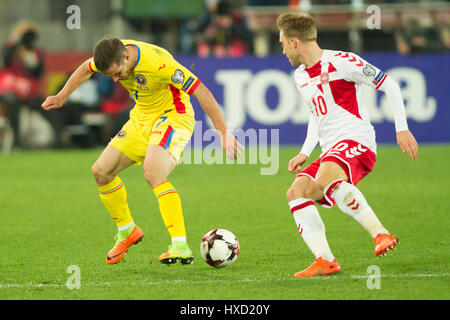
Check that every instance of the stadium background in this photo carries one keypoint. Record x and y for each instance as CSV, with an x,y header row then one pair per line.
x,y
238,40
242,64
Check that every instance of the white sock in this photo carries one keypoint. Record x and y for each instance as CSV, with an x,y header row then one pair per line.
x,y
179,239
311,227
126,226
352,202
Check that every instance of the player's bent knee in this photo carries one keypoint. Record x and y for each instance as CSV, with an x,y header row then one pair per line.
x,y
304,187
148,177
153,178
290,194
96,171
101,176
298,191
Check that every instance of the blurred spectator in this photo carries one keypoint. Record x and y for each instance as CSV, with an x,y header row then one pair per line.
x,y
268,2
415,38
20,78
445,37
84,99
95,111
223,31
116,103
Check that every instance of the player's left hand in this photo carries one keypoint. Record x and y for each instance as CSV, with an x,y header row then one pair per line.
x,y
408,144
232,147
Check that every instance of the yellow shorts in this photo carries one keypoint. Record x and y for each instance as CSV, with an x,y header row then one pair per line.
x,y
171,130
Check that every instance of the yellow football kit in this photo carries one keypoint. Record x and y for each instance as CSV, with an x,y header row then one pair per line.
x,y
163,114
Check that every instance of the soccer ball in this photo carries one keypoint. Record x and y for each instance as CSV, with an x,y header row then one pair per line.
x,y
219,248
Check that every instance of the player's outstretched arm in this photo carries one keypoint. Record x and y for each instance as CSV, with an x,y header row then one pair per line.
x,y
405,138
209,104
312,138
82,74
365,73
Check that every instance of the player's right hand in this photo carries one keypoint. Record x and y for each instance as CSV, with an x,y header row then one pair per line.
x,y
231,146
295,164
408,144
52,102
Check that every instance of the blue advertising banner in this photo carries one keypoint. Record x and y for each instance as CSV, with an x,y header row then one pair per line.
x,y
259,93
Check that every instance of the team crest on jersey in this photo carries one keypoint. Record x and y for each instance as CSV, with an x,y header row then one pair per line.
x,y
324,78
178,76
121,134
368,70
141,80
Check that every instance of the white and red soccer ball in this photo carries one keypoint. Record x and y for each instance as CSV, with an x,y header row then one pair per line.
x,y
219,248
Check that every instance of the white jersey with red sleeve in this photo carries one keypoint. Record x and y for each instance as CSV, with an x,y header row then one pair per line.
x,y
332,89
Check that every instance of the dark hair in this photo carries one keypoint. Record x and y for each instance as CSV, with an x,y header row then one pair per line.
x,y
29,38
108,51
224,8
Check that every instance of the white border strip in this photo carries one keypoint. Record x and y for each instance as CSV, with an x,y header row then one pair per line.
x,y
165,282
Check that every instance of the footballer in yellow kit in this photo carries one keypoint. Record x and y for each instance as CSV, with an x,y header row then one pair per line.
x,y
163,114
160,125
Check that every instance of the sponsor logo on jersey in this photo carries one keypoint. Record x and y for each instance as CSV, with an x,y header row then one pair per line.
x,y
141,80
178,76
304,85
324,78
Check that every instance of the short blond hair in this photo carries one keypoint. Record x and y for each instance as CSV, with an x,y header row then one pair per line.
x,y
297,25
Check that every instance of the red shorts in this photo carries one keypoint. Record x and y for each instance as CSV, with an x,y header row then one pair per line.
x,y
356,160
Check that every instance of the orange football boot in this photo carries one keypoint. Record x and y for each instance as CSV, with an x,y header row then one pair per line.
x,y
384,242
120,248
318,268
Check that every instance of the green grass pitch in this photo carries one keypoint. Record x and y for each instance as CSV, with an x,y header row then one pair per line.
x,y
51,218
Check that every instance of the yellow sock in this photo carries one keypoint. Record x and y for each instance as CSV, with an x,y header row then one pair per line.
x,y
114,197
170,208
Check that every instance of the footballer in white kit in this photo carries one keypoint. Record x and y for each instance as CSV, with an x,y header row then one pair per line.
x,y
331,84
339,120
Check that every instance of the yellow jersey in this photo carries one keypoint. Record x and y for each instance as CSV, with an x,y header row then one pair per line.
x,y
158,83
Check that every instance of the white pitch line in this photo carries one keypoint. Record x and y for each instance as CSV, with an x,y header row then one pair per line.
x,y
151,283
406,275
